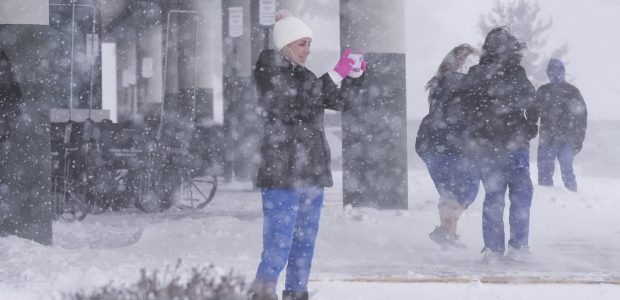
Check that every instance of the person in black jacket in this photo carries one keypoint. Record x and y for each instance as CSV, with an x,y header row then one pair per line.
x,y
498,103
438,144
295,157
563,123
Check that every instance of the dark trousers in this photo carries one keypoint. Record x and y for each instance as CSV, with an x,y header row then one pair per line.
x,y
501,171
290,226
547,154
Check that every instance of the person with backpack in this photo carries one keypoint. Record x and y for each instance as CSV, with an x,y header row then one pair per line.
x,y
498,104
439,145
563,123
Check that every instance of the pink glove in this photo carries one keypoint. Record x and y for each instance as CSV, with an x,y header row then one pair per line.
x,y
345,64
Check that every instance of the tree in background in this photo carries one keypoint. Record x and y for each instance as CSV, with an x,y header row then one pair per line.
x,y
525,23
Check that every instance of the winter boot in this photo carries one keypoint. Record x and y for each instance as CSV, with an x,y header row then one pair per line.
x,y
491,258
571,186
521,255
263,296
446,240
292,295
262,291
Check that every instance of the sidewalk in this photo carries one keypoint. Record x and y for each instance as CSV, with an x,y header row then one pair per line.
x,y
361,253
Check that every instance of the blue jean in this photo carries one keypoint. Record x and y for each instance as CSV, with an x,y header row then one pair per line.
x,y
454,176
499,172
547,153
290,226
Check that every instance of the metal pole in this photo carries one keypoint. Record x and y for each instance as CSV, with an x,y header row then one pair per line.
x,y
71,72
266,41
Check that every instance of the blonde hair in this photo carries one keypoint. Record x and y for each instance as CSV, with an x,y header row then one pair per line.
x,y
453,61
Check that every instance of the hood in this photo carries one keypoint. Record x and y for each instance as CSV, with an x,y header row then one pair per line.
x,y
556,71
501,46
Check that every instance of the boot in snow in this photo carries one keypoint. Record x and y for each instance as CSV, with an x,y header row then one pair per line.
x,y
491,258
292,295
263,296
521,255
446,240
262,291
571,186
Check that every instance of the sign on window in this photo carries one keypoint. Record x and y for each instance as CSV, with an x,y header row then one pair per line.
x,y
267,12
235,21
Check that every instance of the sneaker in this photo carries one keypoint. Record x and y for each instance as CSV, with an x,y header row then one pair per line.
x,y
491,258
446,240
521,255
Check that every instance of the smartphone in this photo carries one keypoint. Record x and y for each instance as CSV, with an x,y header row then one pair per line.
x,y
357,60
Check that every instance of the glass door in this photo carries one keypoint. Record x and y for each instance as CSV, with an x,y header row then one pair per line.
x,y
74,51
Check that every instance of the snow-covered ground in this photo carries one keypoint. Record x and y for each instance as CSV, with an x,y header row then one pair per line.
x,y
361,253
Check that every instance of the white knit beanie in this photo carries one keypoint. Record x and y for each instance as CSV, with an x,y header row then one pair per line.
x,y
288,30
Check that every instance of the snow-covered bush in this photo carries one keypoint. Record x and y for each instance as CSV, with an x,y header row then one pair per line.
x,y
206,283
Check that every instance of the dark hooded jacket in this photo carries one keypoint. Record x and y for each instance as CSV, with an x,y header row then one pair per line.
x,y
498,98
440,128
10,98
294,151
563,112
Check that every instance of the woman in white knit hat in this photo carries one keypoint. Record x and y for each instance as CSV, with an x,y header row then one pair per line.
x,y
295,157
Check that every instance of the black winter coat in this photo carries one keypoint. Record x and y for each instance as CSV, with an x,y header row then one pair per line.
x,y
498,104
294,151
441,128
563,114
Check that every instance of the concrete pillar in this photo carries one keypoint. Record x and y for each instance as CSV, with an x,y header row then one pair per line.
x,y
375,131
25,200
